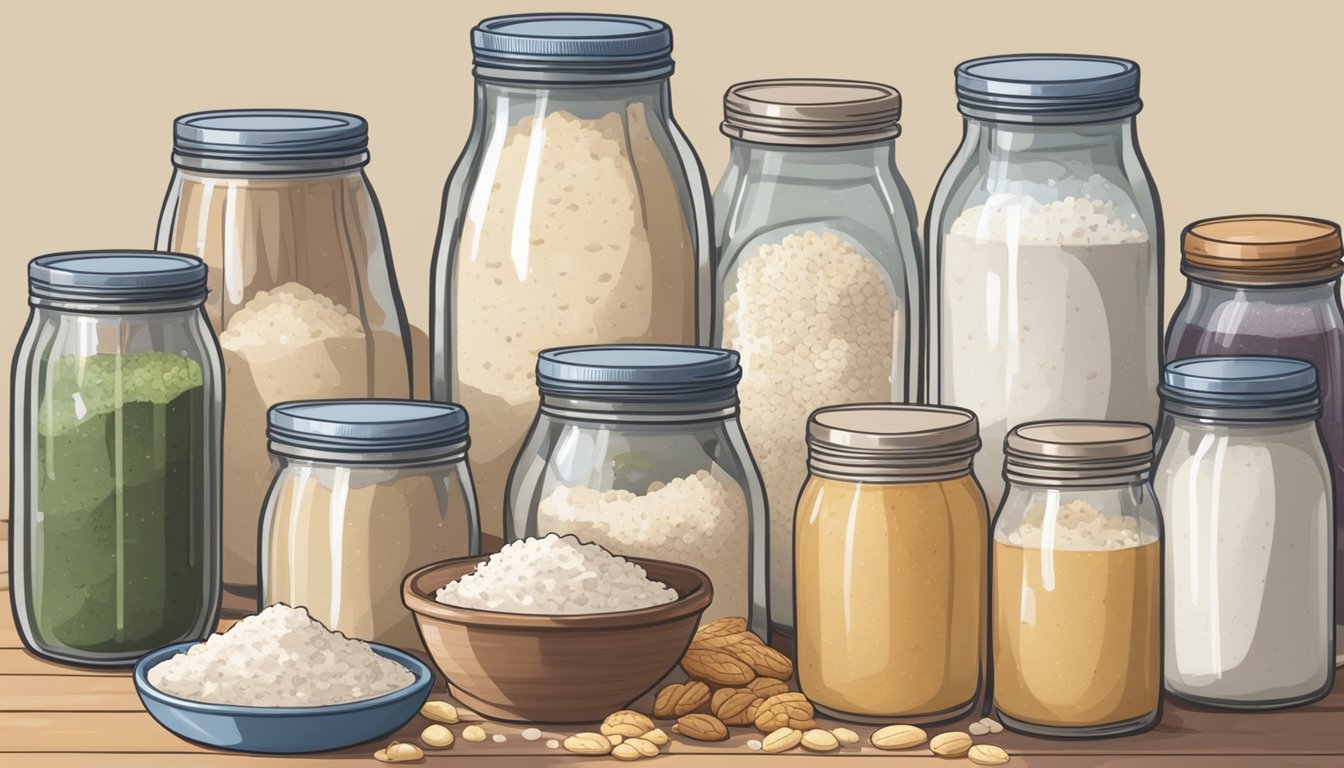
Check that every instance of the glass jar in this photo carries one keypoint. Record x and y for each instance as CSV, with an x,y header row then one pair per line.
x,y
576,214
1246,490
1269,285
1046,247
818,272
367,491
302,292
115,444
890,569
1077,581
638,448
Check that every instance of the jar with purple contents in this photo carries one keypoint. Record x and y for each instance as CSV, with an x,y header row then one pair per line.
x,y
1269,285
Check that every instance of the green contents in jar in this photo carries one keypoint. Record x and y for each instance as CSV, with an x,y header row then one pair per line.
x,y
121,479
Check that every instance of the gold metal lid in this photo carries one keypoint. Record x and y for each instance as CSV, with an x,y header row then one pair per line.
x,y
1262,250
1074,453
891,442
811,112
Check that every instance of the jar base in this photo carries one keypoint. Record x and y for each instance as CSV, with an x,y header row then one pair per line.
x,y
1105,730
933,718
1252,706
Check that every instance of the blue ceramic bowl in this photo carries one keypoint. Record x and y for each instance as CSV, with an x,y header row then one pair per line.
x,y
284,730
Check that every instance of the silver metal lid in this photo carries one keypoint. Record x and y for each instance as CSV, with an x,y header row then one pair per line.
x,y
892,442
1078,453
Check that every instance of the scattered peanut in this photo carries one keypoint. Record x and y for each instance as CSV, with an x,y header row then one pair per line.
x,y
978,729
845,736
587,744
951,744
552,743
987,754
994,725
626,722
754,745
765,687
656,737
615,738
531,734
817,740
702,728
440,711
437,736
898,737
499,738
786,709
645,747
728,626
781,740
680,699
473,733
625,752
399,752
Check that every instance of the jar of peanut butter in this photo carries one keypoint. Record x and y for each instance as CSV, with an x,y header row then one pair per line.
x,y
890,539
1077,589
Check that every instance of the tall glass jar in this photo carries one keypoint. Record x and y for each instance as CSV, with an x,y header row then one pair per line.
x,y
890,564
576,214
1077,581
115,444
1269,285
1045,239
367,491
302,292
1246,489
818,272
638,448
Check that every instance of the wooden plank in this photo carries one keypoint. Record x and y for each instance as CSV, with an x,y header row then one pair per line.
x,y
17,661
50,693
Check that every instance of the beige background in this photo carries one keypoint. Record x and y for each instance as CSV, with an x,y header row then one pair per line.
x,y
1244,101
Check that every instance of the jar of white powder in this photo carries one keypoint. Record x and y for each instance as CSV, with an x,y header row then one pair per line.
x,y
818,273
576,214
1045,251
1246,493
638,448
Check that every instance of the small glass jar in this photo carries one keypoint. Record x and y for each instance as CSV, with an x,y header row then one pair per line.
x,y
889,568
638,448
302,291
115,492
1246,491
818,272
1269,285
1045,243
367,491
1077,581
577,214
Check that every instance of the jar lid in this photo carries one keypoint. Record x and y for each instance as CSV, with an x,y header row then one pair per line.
x,y
278,136
351,428
1048,88
1078,453
1262,250
811,112
1247,388
639,373
551,47
116,277
891,442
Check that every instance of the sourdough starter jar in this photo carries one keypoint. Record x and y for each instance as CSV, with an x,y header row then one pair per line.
x,y
1045,239
638,448
302,292
115,444
576,214
367,491
818,272
1077,581
889,569
1246,489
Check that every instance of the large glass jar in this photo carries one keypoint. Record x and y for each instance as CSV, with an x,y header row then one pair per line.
x,y
577,214
115,444
1077,581
302,292
890,568
367,491
1046,251
818,272
1269,285
1246,491
638,448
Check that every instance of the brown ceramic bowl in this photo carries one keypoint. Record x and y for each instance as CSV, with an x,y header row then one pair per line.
x,y
554,669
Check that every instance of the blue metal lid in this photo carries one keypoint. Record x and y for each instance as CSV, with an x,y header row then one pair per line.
x,y
116,277
1048,88
367,427
639,373
269,135
1249,387
558,46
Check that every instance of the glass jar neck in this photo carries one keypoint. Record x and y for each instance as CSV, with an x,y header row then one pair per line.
x,y
501,100
1208,292
652,412
290,456
859,161
57,310
1073,146
1237,420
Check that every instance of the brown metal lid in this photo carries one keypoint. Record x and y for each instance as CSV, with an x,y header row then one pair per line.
x,y
1073,453
890,442
1262,250
811,112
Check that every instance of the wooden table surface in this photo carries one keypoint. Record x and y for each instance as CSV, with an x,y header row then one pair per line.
x,y
56,716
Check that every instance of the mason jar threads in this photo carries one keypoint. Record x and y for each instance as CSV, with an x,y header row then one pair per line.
x,y
367,491
638,448
1246,490
115,443
818,272
1045,243
889,567
1269,285
576,214
302,292
1077,581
